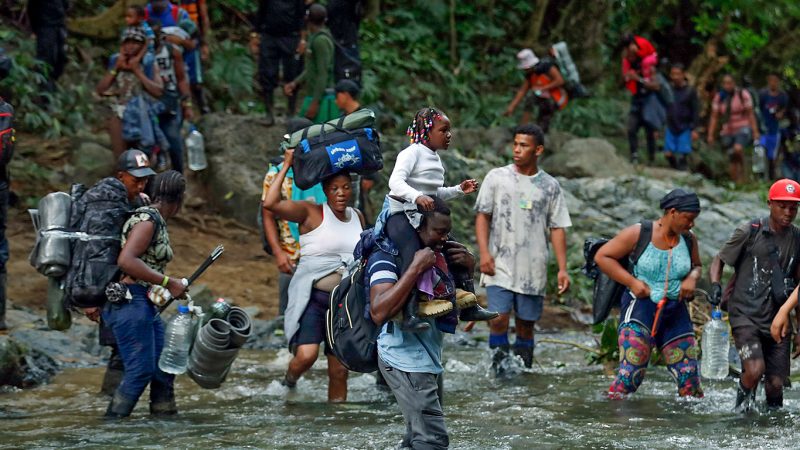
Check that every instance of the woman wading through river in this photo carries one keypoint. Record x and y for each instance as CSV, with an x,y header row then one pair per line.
x,y
133,316
654,309
328,235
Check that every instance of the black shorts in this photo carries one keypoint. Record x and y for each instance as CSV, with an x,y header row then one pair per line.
x,y
312,322
754,344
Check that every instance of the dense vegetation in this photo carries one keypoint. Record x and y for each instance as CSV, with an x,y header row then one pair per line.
x,y
455,54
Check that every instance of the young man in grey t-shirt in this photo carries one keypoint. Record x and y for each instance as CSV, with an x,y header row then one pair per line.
x,y
518,208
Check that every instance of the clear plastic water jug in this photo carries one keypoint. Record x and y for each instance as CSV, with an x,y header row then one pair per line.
x,y
715,344
196,149
177,341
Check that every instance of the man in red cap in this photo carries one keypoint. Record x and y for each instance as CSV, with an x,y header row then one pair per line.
x,y
764,255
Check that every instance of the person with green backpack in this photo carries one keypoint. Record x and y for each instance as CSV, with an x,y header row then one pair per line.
x,y
319,104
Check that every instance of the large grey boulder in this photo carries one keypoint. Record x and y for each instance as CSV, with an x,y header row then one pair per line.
x,y
90,162
238,150
590,157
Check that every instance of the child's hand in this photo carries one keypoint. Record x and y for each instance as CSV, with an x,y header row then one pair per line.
x,y
425,202
469,186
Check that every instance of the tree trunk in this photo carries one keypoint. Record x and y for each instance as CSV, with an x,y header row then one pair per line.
x,y
453,37
535,24
372,9
582,25
105,25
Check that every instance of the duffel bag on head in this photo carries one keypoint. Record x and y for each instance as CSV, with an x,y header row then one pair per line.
x,y
341,150
363,118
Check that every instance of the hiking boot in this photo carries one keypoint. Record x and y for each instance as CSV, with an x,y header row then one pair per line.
x,y
476,314
745,399
111,381
165,408
498,358
634,158
526,354
434,308
120,407
411,322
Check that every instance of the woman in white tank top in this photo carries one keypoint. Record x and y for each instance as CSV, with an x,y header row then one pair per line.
x,y
328,235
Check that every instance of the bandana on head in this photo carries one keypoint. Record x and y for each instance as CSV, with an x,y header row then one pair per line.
x,y
683,201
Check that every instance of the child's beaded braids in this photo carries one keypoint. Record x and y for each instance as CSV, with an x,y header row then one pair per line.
x,y
419,130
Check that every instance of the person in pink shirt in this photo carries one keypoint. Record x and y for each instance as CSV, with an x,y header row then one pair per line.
x,y
732,107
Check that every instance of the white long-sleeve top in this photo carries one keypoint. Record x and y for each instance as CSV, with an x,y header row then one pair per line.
x,y
419,171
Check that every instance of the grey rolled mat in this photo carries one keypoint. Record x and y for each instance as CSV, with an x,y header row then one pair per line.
x,y
216,347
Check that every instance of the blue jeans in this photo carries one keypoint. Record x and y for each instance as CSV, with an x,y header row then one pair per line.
x,y
140,338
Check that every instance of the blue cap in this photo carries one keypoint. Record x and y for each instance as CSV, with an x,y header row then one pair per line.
x,y
183,309
716,314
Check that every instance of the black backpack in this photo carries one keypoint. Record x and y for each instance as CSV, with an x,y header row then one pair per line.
x,y
351,334
100,212
7,133
606,292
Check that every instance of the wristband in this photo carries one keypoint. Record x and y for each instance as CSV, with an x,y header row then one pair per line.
x,y
165,282
113,72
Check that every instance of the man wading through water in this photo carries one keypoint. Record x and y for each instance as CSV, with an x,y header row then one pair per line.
x,y
519,206
764,254
411,361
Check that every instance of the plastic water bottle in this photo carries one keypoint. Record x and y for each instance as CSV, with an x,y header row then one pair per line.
x,y
715,346
177,340
195,147
759,158
220,309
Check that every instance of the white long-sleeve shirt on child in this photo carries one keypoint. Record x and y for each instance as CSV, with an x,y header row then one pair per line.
x,y
419,171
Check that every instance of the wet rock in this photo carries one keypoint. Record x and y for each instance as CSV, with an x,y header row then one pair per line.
x,y
586,158
91,161
23,367
238,149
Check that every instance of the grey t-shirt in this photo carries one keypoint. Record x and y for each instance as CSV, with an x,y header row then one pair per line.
x,y
751,303
523,209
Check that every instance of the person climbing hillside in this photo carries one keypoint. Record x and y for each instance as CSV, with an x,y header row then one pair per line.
x,y
639,60
544,82
131,74
733,108
319,105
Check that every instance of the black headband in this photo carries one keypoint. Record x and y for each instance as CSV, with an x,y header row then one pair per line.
x,y
683,201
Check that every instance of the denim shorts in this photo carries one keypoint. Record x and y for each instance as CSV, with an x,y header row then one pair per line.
x,y
526,307
312,322
680,143
743,137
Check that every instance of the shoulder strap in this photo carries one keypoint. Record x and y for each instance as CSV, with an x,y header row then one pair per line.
x,y
645,235
158,221
755,225
175,13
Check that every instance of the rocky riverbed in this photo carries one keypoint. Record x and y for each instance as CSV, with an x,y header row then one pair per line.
x,y
604,193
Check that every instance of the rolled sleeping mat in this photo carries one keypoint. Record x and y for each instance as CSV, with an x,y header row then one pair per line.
x,y
211,359
53,249
217,332
360,119
240,326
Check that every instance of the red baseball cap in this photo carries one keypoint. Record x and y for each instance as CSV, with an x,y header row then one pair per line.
x,y
785,190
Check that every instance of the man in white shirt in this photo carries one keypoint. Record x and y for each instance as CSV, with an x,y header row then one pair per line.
x,y
518,207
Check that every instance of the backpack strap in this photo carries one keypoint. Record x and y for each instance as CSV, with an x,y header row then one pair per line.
x,y
158,221
755,226
645,236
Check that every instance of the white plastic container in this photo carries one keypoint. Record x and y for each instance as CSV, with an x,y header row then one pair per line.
x,y
715,344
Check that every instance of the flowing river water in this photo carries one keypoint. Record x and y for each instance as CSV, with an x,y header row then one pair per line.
x,y
560,403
